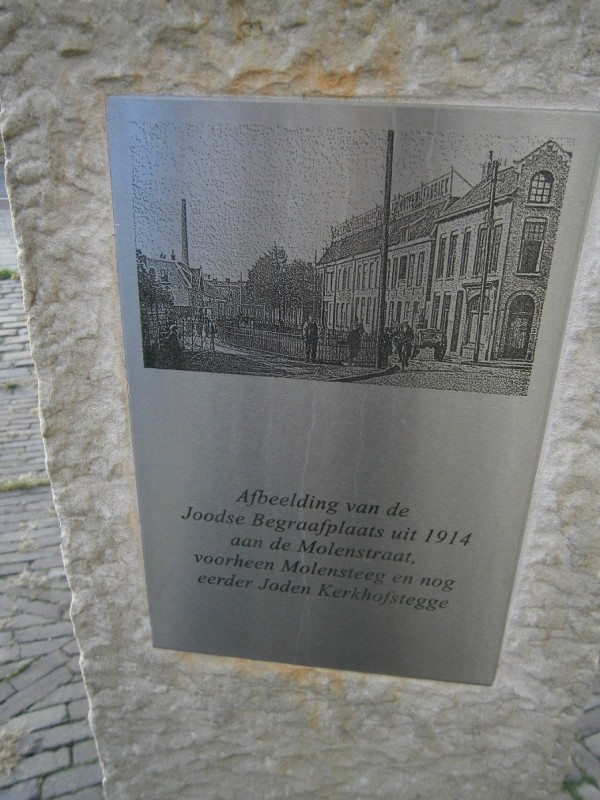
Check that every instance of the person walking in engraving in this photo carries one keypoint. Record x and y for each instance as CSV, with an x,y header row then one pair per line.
x,y
354,340
310,335
171,353
404,344
211,331
386,346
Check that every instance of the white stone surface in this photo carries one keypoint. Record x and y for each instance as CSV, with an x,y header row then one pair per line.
x,y
176,725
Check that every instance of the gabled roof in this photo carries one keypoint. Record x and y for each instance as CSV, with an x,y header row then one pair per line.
x,y
480,194
507,181
361,242
418,223
550,145
423,225
178,277
214,291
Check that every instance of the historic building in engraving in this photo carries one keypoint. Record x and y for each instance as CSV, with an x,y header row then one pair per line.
x,y
349,270
517,258
449,244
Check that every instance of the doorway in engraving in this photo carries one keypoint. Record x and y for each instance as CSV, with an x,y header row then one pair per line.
x,y
518,327
472,320
445,313
457,320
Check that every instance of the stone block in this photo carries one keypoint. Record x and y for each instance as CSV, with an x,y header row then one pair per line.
x,y
172,724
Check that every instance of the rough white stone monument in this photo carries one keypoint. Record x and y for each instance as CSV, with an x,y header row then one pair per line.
x,y
186,725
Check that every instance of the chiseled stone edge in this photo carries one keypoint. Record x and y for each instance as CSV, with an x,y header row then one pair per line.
x,y
186,725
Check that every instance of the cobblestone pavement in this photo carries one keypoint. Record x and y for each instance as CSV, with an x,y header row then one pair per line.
x,y
46,745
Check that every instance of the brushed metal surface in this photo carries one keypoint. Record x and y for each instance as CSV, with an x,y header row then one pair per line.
x,y
334,514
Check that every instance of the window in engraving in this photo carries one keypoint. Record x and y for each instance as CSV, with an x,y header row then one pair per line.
x,y
411,270
457,319
532,243
439,272
452,255
480,250
464,255
420,267
402,273
496,237
540,188
434,310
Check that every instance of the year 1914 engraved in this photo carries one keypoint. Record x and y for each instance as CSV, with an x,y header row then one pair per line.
x,y
437,537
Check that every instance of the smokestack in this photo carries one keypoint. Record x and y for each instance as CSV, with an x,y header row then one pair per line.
x,y
184,236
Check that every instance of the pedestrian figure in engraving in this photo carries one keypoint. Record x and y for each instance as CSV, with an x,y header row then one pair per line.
x,y
405,341
386,346
171,353
310,336
210,331
200,331
354,340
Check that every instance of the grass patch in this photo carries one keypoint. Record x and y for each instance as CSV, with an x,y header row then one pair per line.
x,y
573,786
9,274
10,386
24,482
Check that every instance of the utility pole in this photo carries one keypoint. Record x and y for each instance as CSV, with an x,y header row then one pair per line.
x,y
384,252
488,254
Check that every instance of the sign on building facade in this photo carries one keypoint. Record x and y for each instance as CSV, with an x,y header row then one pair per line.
x,y
342,323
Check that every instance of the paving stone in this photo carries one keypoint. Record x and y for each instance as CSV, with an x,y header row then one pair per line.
x,y
91,793
41,667
10,668
74,690
45,717
44,646
79,709
39,632
10,653
72,648
37,766
36,607
28,790
588,792
6,691
85,751
25,699
74,664
71,780
586,761
589,722
10,569
26,621
51,738
34,553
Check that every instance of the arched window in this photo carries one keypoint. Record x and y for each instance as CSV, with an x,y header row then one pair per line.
x,y
540,188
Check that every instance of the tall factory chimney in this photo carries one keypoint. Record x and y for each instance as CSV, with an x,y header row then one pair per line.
x,y
184,236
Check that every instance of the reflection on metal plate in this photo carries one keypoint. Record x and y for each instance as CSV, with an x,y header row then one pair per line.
x,y
342,322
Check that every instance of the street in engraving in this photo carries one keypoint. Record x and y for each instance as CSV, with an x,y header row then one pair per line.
x,y
248,262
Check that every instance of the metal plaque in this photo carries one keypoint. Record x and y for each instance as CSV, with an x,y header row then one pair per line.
x,y
342,322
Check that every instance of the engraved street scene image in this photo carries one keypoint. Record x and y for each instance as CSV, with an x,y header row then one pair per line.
x,y
418,258
407,272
